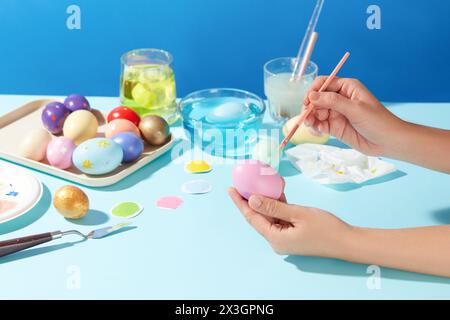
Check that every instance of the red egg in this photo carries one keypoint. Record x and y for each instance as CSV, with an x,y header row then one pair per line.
x,y
126,113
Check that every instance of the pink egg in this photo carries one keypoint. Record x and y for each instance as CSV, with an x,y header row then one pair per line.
x,y
255,177
59,152
120,125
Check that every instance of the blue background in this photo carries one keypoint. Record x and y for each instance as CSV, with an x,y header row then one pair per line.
x,y
222,43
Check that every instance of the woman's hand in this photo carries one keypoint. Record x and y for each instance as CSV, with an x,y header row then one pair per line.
x,y
292,229
348,111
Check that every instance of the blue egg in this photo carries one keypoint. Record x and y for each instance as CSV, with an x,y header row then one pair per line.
x,y
97,156
132,145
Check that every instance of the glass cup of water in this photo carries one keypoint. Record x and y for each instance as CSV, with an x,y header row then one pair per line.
x,y
285,97
147,83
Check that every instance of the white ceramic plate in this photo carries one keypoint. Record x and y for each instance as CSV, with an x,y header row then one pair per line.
x,y
20,191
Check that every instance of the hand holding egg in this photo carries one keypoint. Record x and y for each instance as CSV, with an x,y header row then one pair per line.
x,y
254,177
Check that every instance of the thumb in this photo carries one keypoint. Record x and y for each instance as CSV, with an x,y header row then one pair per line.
x,y
333,101
273,208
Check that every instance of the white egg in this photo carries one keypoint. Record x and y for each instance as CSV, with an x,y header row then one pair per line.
x,y
34,146
228,112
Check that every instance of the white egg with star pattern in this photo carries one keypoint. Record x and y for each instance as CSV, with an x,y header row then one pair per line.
x,y
97,156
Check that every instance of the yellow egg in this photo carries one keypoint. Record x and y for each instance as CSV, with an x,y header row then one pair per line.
x,y
71,202
303,134
80,126
34,146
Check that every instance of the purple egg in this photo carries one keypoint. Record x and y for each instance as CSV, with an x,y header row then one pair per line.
x,y
132,145
76,102
53,117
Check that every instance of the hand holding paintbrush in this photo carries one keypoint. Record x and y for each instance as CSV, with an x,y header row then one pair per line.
x,y
308,109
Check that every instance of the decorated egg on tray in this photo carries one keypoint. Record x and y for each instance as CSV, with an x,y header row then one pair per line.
x,y
76,102
155,130
255,177
53,117
132,145
120,125
97,156
126,113
34,145
59,152
80,126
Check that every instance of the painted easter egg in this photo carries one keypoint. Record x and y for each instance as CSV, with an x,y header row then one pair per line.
x,y
34,146
80,126
155,130
267,151
120,125
71,202
97,156
53,117
59,152
254,177
76,102
126,113
303,134
132,145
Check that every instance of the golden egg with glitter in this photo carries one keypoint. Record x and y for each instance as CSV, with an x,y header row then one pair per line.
x,y
155,130
71,202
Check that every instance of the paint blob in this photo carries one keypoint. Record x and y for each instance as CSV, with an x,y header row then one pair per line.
x,y
127,209
169,202
198,166
196,187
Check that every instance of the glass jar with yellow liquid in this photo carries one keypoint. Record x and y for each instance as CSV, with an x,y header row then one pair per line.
x,y
147,83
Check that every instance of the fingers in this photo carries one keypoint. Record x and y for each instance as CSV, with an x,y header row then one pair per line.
x,y
258,221
273,208
332,101
321,114
335,85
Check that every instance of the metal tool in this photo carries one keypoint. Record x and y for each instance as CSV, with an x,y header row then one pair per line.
x,y
15,245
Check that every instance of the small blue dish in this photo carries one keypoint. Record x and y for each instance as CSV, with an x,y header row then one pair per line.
x,y
223,122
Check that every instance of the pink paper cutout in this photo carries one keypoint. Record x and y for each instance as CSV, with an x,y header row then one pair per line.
x,y
170,202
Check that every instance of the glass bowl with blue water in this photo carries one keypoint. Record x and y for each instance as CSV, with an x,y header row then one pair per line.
x,y
223,122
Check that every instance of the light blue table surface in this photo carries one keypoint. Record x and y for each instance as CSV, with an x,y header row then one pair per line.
x,y
205,249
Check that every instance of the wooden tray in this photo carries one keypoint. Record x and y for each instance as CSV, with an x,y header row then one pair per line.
x,y
16,124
